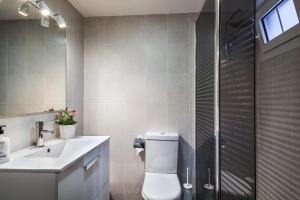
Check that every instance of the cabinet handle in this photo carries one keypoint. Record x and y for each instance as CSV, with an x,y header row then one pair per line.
x,y
91,164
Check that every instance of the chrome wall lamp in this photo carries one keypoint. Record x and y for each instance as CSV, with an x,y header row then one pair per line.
x,y
24,10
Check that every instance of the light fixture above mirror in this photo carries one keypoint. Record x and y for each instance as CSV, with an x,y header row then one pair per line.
x,y
60,21
24,10
44,9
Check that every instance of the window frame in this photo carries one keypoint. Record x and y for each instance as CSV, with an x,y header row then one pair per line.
x,y
283,38
275,8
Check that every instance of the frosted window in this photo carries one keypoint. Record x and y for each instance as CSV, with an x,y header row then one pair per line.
x,y
288,14
272,25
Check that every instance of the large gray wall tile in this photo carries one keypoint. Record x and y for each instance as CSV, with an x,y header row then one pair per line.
x,y
142,70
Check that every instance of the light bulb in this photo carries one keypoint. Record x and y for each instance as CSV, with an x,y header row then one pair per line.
x,y
45,11
45,22
24,9
61,22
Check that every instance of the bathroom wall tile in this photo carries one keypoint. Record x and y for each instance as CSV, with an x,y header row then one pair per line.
x,y
134,29
111,59
3,60
114,114
55,93
17,60
16,87
36,60
17,34
94,112
134,178
117,180
57,36
94,35
157,88
135,59
94,88
117,146
14,109
156,58
157,118
136,90
115,87
3,89
56,55
36,108
180,120
186,159
178,28
92,56
179,88
35,34
152,72
34,84
136,117
105,87
115,30
2,109
156,29
107,119
3,33
178,57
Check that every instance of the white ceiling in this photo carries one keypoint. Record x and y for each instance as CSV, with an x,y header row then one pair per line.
x,y
92,8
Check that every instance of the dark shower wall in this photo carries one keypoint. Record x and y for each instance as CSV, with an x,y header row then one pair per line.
x,y
205,153
237,100
278,127
278,119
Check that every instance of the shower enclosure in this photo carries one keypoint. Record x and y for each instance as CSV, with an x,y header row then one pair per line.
x,y
225,101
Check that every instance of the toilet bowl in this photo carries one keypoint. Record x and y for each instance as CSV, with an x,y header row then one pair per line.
x,y
161,154
161,187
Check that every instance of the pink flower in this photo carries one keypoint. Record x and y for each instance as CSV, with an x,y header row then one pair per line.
x,y
73,113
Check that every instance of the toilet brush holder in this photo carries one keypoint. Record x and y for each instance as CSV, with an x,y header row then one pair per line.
x,y
187,185
209,186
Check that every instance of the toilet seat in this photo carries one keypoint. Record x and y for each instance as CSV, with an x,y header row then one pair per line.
x,y
161,187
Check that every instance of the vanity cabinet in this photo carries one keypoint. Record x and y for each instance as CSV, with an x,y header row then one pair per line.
x,y
96,174
86,179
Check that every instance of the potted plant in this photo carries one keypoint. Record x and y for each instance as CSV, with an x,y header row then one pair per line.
x,y
67,123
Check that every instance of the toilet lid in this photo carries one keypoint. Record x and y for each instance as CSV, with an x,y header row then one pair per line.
x,y
161,186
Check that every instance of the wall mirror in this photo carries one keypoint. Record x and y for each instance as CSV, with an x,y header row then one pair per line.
x,y
32,60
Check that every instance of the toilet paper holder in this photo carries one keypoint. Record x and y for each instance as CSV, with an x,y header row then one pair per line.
x,y
139,143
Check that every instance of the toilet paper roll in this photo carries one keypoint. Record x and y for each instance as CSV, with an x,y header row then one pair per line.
x,y
139,150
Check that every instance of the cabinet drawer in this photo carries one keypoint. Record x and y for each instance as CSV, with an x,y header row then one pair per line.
x,y
105,162
96,172
92,155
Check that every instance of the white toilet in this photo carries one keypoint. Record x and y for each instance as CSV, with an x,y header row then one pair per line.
x,y
161,180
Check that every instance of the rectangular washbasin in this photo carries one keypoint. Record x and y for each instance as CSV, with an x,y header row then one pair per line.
x,y
50,151
55,156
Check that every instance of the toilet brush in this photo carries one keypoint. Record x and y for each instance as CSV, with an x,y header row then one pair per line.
x,y
187,185
209,186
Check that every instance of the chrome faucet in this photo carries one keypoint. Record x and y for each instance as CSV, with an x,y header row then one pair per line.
x,y
39,131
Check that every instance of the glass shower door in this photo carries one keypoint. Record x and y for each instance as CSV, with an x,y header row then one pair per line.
x,y
237,100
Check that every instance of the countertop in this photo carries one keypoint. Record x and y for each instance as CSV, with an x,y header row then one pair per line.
x,y
73,151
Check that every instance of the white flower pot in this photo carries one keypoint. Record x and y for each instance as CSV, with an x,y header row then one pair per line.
x,y
67,132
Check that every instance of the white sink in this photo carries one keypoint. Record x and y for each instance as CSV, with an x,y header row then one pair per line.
x,y
50,151
55,156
